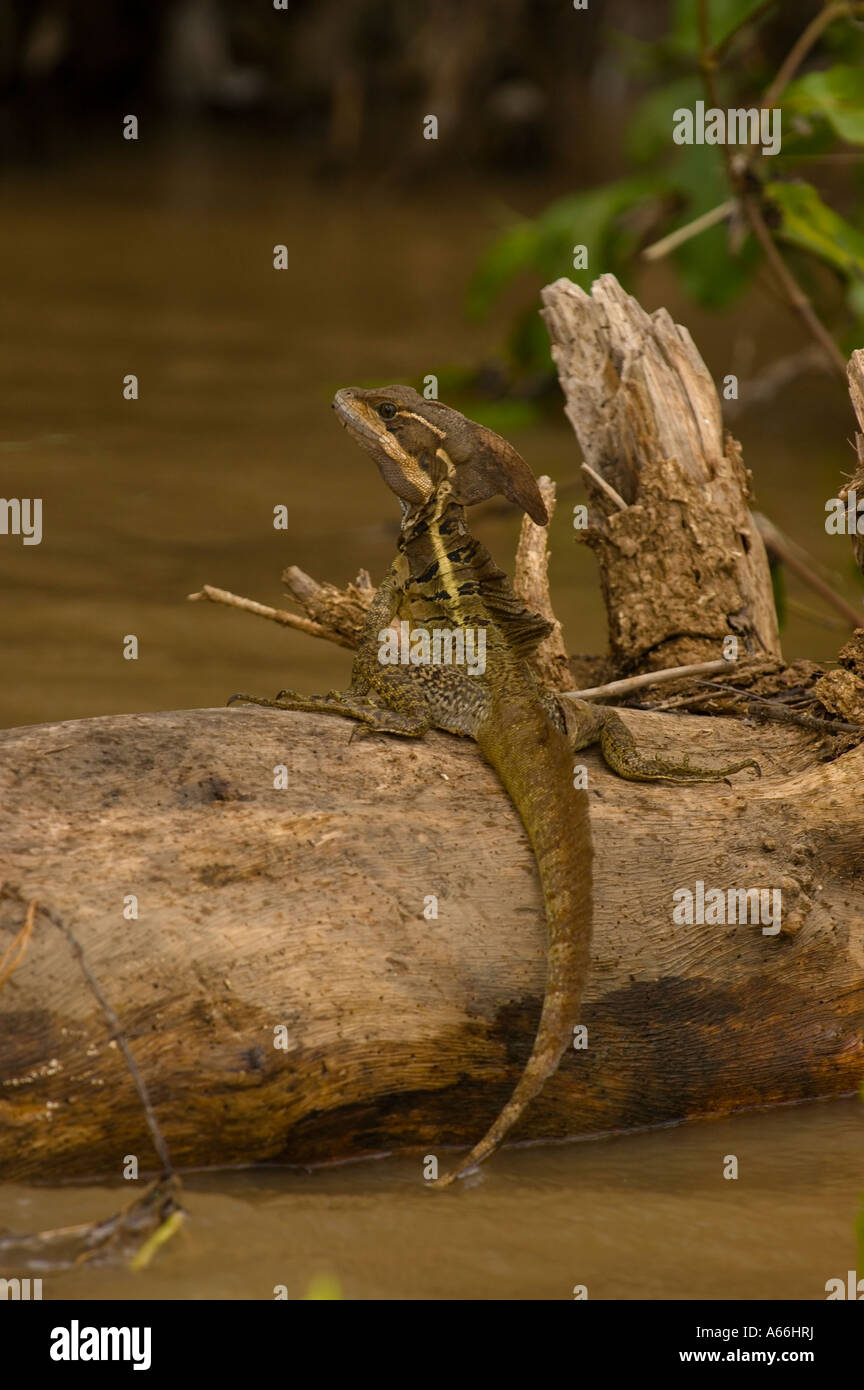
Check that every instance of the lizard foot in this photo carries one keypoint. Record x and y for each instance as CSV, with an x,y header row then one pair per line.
x,y
621,753
243,699
376,718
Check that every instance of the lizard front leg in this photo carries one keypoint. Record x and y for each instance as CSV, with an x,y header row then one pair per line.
x,y
587,724
403,715
351,705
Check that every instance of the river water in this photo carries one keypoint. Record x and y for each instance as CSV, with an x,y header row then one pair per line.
x,y
159,263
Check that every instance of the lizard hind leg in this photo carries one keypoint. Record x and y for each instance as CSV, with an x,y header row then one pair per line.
x,y
622,753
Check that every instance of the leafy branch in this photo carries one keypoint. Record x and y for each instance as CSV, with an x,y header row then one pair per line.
x,y
737,216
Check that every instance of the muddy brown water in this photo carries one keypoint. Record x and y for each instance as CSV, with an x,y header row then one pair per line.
x,y
161,265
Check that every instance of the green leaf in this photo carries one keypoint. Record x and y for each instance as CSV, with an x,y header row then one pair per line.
x,y
807,222
528,345
699,172
802,139
504,417
724,15
707,266
649,133
709,270
511,252
545,243
836,94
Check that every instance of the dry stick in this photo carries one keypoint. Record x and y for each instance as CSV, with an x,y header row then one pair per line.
x,y
630,683
811,615
605,487
758,707
788,68
118,1035
784,550
777,375
278,615
531,584
690,229
796,296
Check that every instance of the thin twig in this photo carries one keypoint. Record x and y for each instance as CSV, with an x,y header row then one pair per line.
x,y
630,683
661,248
760,707
802,45
118,1035
737,177
811,616
777,375
277,615
782,547
605,487
708,65
797,298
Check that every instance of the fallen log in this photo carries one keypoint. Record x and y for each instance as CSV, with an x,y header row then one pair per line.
x,y
314,945
302,909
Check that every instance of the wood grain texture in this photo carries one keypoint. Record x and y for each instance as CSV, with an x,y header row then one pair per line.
x,y
683,565
303,907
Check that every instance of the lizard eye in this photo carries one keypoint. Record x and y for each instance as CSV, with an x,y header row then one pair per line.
x,y
387,410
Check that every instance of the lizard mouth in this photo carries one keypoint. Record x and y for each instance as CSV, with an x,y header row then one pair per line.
x,y
397,467
352,416
344,404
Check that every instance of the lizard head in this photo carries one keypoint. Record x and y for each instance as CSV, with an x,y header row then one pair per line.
x,y
417,444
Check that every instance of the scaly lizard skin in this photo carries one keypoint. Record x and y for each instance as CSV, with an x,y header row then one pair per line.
x,y
437,462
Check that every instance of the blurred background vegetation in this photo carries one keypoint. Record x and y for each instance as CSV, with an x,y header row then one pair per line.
x,y
514,84
303,125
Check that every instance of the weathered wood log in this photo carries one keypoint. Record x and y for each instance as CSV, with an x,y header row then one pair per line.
x,y
303,909
681,562
285,988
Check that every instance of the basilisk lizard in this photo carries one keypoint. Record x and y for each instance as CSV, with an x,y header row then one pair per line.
x,y
438,462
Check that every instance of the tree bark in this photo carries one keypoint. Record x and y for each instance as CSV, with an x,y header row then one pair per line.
x,y
682,564
303,909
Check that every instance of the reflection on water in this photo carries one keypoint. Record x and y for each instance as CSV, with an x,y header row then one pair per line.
x,y
646,1215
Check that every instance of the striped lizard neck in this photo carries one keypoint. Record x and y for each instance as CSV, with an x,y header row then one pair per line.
x,y
444,564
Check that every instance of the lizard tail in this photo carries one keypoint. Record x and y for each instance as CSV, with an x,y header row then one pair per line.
x,y
555,815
